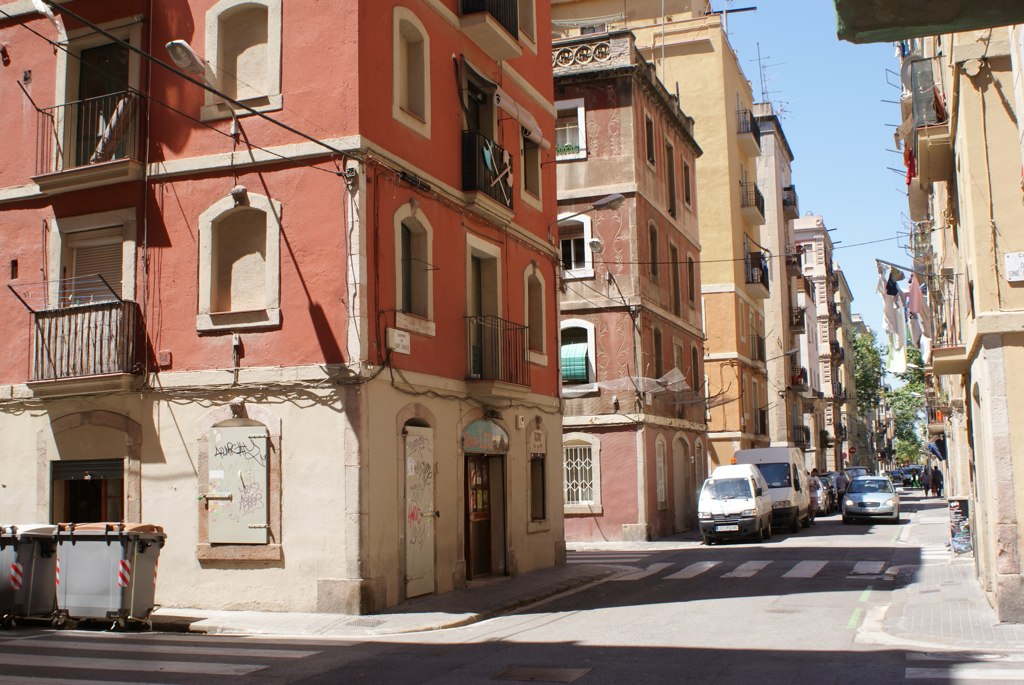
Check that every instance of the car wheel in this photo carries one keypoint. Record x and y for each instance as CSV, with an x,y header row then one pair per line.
x,y
759,535
708,540
794,527
846,521
768,535
806,521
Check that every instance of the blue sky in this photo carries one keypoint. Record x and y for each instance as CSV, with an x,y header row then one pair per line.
x,y
831,93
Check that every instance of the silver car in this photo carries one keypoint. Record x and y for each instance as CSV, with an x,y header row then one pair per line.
x,y
871,497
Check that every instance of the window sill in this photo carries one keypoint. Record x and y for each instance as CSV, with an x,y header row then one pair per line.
x,y
582,154
206,551
415,324
412,121
265,103
236,321
583,510
538,358
577,274
527,196
570,391
541,526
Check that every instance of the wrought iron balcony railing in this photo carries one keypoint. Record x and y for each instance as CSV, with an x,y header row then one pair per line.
x,y
790,203
497,350
802,436
505,12
751,196
93,339
87,132
757,269
747,123
486,167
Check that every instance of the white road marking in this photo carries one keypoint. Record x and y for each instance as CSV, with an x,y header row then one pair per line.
x,y
603,560
693,570
747,569
974,657
50,680
962,673
649,571
194,667
864,568
172,649
805,569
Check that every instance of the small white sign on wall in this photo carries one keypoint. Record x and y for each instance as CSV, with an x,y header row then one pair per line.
x,y
1014,266
399,341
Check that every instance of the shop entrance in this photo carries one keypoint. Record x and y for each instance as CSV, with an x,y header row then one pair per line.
x,y
485,445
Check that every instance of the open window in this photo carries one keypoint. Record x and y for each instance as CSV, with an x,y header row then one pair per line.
x,y
570,130
574,236
578,354
243,47
239,264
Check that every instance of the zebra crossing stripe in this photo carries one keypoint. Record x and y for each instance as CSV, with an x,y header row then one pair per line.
x,y
805,569
649,571
693,570
746,570
959,673
191,667
188,650
868,568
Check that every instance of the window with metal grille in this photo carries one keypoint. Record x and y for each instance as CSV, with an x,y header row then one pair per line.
x,y
579,474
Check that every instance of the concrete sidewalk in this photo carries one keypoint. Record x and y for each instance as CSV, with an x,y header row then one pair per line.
x,y
944,604
482,600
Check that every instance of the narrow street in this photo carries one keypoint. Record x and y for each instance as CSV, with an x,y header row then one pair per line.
x,y
798,608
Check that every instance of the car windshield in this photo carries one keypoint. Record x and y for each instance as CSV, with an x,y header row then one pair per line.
x,y
873,485
777,475
855,471
728,488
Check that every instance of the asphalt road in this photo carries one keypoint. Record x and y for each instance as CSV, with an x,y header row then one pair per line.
x,y
793,609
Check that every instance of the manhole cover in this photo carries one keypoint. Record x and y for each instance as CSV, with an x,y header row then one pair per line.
x,y
531,674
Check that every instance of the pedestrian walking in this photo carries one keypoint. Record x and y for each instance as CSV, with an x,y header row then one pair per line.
x,y
814,485
937,481
926,481
841,482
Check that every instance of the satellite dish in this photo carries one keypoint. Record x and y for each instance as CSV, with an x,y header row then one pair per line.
x,y
596,246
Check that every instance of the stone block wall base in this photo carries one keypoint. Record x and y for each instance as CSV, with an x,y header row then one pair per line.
x,y
349,596
636,532
1009,598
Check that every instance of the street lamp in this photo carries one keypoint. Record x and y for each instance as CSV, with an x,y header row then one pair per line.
x,y
613,201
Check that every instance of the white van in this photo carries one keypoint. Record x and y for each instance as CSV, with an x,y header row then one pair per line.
x,y
734,502
783,469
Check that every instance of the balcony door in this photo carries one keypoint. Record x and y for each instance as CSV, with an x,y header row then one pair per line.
x,y
93,266
102,105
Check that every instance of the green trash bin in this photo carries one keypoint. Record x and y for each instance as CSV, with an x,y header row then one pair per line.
x,y
107,570
27,571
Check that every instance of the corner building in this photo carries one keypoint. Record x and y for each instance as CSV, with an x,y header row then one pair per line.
x,y
303,317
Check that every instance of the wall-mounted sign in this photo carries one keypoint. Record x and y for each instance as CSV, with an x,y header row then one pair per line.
x,y
1014,266
484,437
399,341
538,443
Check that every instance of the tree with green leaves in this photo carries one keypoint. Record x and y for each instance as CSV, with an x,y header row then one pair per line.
x,y
907,403
868,369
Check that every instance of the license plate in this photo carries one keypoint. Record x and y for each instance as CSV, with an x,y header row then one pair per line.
x,y
869,504
727,528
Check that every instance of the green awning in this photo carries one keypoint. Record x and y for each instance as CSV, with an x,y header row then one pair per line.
x,y
882,21
574,363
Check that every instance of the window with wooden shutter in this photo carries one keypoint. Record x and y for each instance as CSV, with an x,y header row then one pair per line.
x,y
95,255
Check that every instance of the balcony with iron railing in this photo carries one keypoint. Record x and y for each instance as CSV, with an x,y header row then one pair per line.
x,y
834,314
794,265
493,25
756,276
802,437
760,349
797,319
486,173
497,350
81,333
798,379
837,352
790,203
950,355
937,415
89,143
748,133
752,203
837,392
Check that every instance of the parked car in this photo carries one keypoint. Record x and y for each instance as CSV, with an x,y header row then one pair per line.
x,y
783,469
735,502
871,497
856,471
828,500
831,477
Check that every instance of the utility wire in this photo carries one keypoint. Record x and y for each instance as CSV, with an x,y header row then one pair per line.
x,y
205,86
150,98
